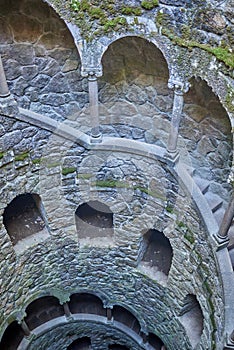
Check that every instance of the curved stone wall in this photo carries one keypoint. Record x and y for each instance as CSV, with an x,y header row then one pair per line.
x,y
51,156
41,61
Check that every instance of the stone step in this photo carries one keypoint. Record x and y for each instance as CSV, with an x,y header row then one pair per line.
x,y
219,214
202,184
189,169
214,201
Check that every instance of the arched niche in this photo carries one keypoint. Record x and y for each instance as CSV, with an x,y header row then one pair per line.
x,y
94,219
124,316
206,132
133,92
12,337
156,254
43,310
24,216
40,59
191,316
155,342
85,303
80,344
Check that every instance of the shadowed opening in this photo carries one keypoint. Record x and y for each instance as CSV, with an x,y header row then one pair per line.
x,y
155,341
85,303
80,344
156,251
12,337
43,310
192,318
94,219
24,217
124,316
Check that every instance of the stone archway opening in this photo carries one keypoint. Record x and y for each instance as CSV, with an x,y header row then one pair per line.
x,y
12,337
124,316
191,316
43,310
155,342
24,216
80,344
133,91
41,61
156,255
85,303
94,219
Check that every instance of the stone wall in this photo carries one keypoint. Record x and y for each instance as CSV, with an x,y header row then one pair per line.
x,y
41,61
142,190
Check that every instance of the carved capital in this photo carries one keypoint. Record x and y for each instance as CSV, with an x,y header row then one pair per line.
x,y
91,72
178,86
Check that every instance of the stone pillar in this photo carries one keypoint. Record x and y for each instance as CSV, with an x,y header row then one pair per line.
x,y
227,219
222,235
109,313
4,91
66,310
179,90
25,328
96,136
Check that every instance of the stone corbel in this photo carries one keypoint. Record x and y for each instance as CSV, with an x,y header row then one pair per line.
x,y
178,86
89,71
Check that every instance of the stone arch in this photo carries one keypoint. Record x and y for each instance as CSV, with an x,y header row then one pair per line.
x,y
133,91
83,343
86,303
155,341
209,140
41,61
111,40
12,337
123,315
24,216
191,316
156,254
42,310
94,219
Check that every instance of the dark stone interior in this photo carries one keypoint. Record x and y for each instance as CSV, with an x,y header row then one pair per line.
x,y
157,250
43,310
22,217
94,219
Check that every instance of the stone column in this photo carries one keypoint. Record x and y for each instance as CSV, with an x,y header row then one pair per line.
x,y
96,136
227,219
4,91
222,235
109,313
179,90
25,328
66,310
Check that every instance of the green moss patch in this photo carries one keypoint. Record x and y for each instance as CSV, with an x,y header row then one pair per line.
x,y
222,54
21,157
150,4
66,171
